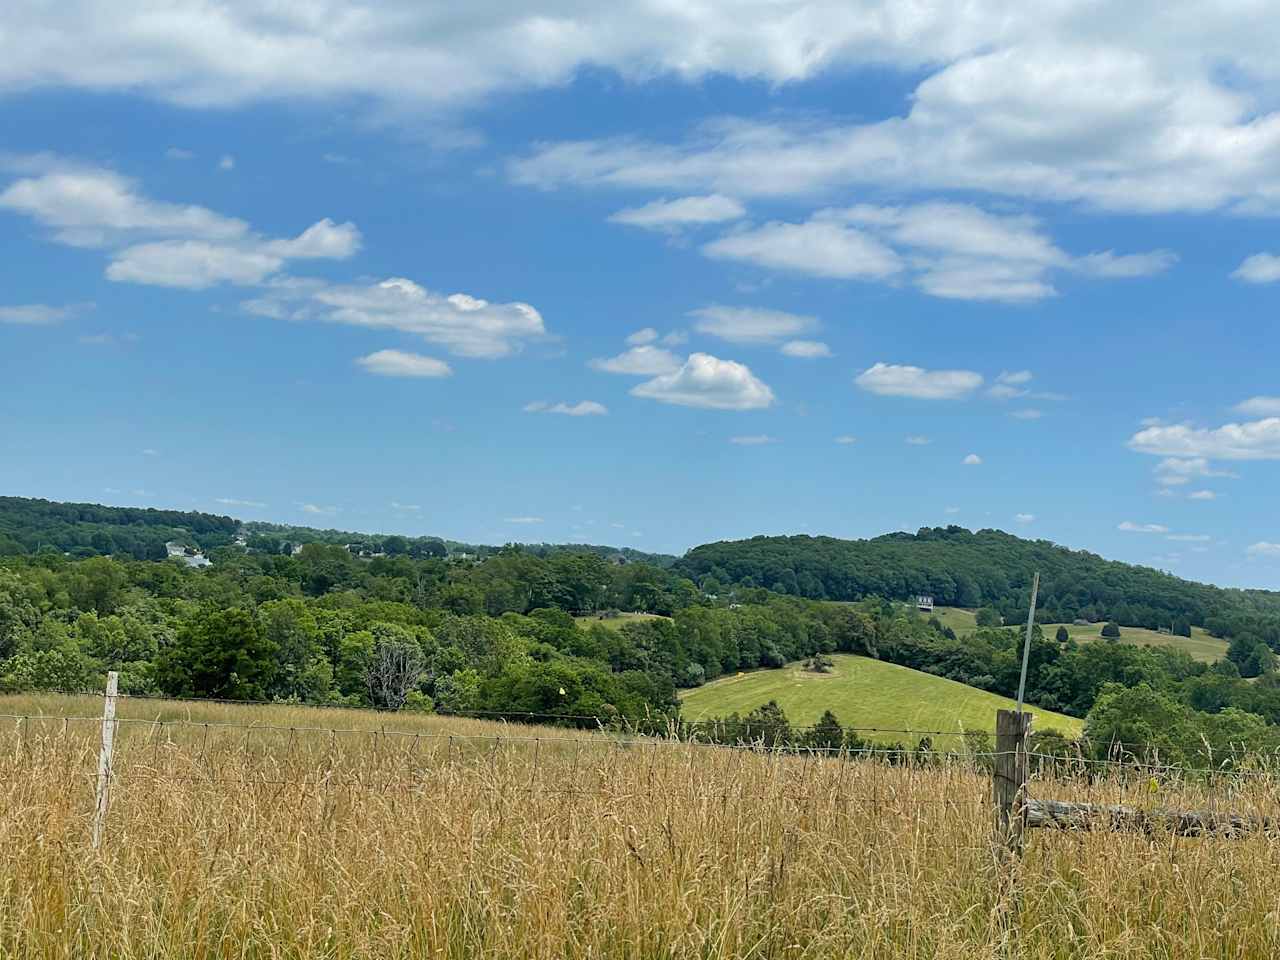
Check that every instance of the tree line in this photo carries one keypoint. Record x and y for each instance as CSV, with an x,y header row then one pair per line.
x,y
961,568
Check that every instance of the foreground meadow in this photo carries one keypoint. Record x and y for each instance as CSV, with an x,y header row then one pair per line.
x,y
256,832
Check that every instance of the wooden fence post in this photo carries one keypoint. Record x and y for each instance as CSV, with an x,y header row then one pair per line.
x,y
104,756
1009,778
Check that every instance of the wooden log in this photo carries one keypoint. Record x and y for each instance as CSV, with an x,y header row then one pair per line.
x,y
1063,815
1009,778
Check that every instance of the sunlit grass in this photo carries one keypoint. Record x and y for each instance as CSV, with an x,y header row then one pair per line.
x,y
863,692
401,843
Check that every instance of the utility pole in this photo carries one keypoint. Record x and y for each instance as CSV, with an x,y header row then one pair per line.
x,y
1026,644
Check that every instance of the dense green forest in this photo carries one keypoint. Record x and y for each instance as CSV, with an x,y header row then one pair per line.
x,y
965,569
89,529
495,632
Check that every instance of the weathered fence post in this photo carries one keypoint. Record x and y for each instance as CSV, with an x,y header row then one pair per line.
x,y
104,756
1009,778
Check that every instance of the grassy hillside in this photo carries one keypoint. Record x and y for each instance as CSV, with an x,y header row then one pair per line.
x,y
958,619
616,623
1200,644
862,692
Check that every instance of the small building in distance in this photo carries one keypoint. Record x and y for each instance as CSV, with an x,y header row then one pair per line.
x,y
924,604
189,555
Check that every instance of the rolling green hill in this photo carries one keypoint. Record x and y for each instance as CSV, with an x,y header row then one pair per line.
x,y
87,529
961,568
862,692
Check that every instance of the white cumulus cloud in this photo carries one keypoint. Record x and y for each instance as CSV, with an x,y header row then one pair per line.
x,y
898,380
1253,440
1264,549
642,361
464,325
949,250
753,440
159,243
816,248
709,382
398,363
972,460
1259,268
1180,471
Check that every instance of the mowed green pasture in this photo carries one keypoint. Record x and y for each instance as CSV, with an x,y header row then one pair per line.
x,y
957,618
618,622
862,692
1200,645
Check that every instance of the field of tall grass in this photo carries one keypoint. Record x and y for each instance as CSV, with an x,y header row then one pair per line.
x,y
237,831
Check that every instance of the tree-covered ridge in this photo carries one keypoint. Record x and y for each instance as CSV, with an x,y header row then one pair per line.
x,y
263,534
28,526
961,568
87,529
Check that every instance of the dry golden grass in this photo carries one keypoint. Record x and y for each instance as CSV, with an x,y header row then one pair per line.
x,y
297,843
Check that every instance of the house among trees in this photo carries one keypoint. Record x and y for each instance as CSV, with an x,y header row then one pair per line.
x,y
925,604
189,555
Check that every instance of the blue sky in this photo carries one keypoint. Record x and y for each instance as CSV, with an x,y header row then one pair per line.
x,y
648,275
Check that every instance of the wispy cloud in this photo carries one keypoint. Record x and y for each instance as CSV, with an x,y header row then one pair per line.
x,y
672,215
583,408
805,349
1128,526
41,314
